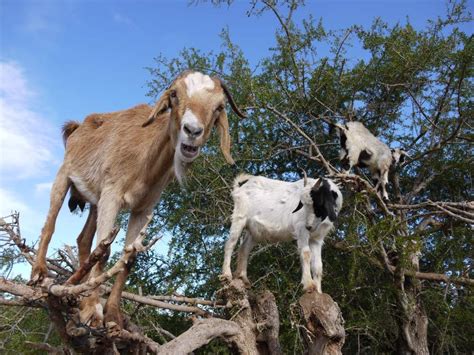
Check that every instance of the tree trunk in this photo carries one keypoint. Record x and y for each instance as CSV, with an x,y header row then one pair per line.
x,y
323,331
413,322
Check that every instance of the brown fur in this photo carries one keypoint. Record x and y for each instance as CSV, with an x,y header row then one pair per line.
x,y
68,128
125,159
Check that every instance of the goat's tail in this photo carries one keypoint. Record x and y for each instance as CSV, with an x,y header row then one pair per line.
x,y
75,198
68,128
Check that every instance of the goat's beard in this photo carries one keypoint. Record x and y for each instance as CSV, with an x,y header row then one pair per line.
x,y
180,167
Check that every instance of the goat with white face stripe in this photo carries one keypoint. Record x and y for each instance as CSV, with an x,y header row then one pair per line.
x,y
275,211
123,161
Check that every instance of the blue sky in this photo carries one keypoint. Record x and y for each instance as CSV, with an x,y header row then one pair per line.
x,y
62,60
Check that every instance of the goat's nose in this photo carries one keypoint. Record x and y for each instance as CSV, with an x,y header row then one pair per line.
x,y
192,131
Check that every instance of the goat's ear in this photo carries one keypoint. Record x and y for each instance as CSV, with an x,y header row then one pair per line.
x,y
223,128
300,206
161,106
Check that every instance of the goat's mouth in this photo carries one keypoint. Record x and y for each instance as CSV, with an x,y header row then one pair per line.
x,y
189,151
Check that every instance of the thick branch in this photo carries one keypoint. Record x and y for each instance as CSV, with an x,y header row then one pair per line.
x,y
430,276
201,333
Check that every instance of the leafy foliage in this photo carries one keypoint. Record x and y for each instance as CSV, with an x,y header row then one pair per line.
x,y
411,87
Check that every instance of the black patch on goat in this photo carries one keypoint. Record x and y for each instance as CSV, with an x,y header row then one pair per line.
x,y
241,183
343,142
74,202
324,202
300,206
364,158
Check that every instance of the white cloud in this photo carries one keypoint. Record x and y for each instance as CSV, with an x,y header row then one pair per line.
x,y
43,187
9,203
27,140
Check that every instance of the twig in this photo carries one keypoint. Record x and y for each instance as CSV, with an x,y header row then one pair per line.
x,y
93,258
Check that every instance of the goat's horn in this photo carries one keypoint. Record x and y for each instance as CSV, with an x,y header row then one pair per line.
x,y
305,178
231,100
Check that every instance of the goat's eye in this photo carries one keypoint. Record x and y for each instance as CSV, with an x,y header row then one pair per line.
x,y
219,108
173,94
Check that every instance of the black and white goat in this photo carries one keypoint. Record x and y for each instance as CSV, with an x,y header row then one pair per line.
x,y
275,211
359,147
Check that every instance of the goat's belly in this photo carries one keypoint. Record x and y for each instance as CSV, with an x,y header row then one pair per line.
x,y
84,190
268,232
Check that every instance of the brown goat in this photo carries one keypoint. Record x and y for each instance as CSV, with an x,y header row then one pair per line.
x,y
124,160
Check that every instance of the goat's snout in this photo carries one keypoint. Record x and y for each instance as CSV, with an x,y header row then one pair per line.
x,y
309,228
192,131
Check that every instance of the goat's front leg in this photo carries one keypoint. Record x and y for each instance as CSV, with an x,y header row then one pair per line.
x,y
316,262
243,257
138,221
235,231
107,210
384,178
305,257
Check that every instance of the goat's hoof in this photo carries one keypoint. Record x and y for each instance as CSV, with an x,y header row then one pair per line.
x,y
113,317
310,288
38,274
73,330
225,278
246,281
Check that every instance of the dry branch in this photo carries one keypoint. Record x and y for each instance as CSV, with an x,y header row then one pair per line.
x,y
201,333
93,258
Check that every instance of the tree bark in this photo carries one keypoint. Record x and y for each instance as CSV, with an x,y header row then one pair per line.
x,y
323,332
413,322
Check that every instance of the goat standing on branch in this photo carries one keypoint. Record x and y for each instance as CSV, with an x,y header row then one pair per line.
x,y
361,148
124,160
275,211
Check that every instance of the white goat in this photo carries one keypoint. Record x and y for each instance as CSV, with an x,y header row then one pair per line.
x,y
124,160
361,148
274,211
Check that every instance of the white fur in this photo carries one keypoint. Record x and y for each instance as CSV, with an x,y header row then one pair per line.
x,y
191,120
359,138
180,161
264,208
81,186
196,82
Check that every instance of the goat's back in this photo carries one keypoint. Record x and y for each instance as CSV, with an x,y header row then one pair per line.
x,y
360,138
111,146
266,199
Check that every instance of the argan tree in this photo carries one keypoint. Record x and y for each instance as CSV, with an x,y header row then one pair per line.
x,y
400,271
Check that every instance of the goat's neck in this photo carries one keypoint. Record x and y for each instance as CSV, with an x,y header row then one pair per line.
x,y
160,158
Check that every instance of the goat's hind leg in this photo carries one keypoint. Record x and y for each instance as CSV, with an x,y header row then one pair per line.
x,y
58,193
242,259
234,235
85,238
